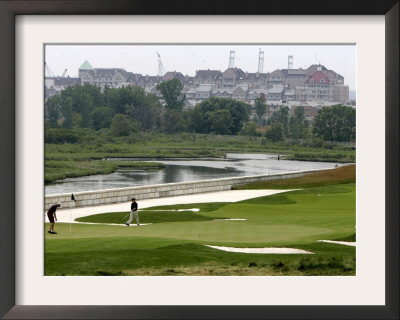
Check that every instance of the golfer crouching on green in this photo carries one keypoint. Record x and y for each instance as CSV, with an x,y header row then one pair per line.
x,y
134,213
51,214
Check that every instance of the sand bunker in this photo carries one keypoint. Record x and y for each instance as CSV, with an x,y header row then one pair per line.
x,y
346,243
262,250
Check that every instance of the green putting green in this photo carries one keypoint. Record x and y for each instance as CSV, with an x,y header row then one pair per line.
x,y
173,241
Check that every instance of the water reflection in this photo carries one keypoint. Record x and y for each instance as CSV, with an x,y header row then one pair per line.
x,y
234,165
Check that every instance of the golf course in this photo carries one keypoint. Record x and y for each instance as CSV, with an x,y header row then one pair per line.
x,y
181,239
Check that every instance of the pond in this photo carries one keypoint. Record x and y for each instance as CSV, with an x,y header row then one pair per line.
x,y
183,170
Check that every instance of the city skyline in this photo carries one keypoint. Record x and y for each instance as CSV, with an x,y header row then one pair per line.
x,y
187,58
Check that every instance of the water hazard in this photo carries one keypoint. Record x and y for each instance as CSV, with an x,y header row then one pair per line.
x,y
183,170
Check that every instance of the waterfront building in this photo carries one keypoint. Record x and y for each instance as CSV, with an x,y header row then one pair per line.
x,y
314,85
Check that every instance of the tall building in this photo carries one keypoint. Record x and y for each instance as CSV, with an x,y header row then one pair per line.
x,y
102,77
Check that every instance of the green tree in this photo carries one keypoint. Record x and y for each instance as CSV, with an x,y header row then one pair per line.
x,y
282,116
336,123
220,121
120,125
275,132
174,121
53,106
144,108
202,114
113,100
101,117
85,105
67,112
249,129
118,98
171,91
240,113
260,106
84,99
298,125
197,120
76,120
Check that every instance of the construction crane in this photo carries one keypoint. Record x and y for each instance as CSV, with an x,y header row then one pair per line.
x,y
161,70
48,72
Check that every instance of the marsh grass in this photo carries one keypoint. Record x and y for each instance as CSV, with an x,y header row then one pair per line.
x,y
340,175
81,159
62,169
193,145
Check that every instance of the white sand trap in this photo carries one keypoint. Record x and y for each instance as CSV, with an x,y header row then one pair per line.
x,y
230,219
346,243
262,250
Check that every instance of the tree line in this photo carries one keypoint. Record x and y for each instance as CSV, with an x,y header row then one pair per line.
x,y
124,111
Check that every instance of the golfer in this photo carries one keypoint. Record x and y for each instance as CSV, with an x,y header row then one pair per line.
x,y
51,214
134,212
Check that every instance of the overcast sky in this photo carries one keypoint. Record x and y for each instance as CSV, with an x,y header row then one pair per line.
x,y
189,58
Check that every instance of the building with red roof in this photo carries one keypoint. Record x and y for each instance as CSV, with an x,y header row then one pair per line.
x,y
319,77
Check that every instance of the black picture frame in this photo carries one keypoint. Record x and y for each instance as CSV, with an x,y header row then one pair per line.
x,y
8,11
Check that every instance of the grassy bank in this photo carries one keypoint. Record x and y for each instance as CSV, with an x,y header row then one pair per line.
x,y
74,160
344,174
61,169
173,242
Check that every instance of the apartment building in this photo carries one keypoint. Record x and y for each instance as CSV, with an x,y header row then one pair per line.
x,y
102,77
316,83
208,77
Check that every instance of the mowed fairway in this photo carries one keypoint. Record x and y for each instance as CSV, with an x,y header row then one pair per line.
x,y
173,243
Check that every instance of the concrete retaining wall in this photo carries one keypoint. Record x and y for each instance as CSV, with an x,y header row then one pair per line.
x,y
108,196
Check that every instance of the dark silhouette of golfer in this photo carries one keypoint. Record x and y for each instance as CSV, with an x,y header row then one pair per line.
x,y
51,214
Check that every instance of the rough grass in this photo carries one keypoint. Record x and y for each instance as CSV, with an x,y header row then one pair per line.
x,y
197,260
341,175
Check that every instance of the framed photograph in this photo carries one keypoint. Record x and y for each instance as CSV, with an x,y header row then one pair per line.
x,y
29,25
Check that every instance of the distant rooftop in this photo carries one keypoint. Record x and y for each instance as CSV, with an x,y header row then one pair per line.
x,y
86,66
